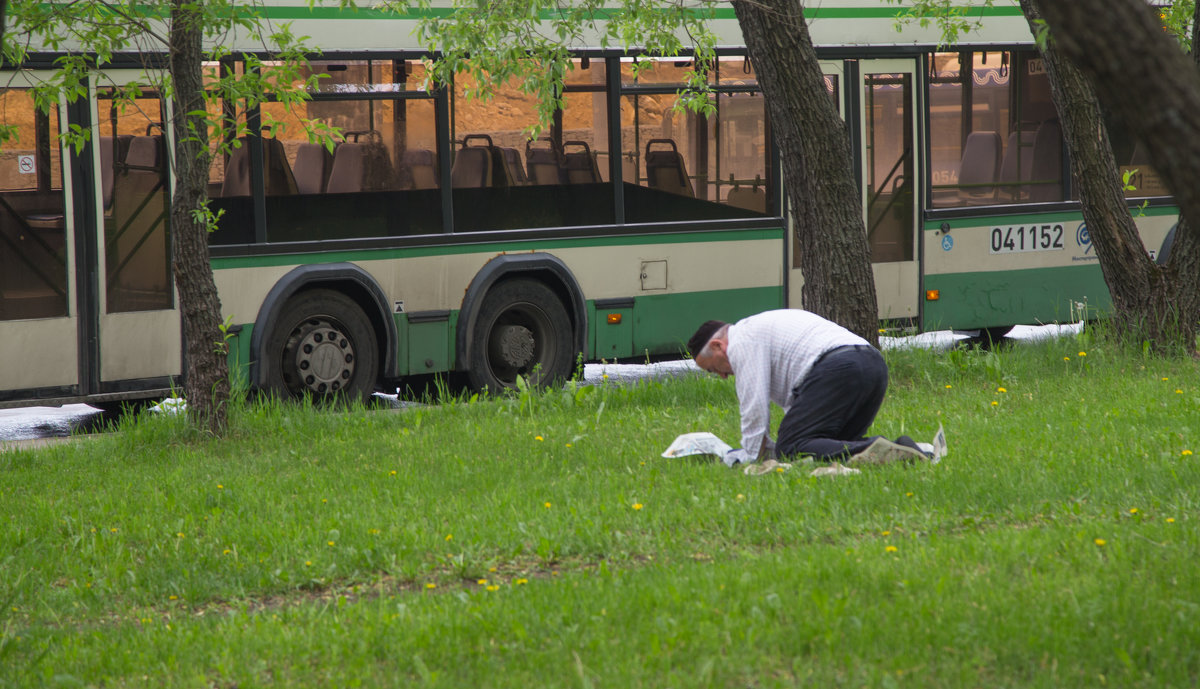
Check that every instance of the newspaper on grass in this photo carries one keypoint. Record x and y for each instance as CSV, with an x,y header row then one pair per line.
x,y
701,443
939,445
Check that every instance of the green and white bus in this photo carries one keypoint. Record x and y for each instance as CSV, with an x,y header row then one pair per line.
x,y
436,239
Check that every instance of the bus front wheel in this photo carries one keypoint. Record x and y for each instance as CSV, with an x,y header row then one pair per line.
x,y
522,330
322,346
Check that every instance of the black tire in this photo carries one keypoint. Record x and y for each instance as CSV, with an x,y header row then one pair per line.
x,y
322,345
522,330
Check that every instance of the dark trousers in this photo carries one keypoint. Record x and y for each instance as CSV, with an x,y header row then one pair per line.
x,y
834,405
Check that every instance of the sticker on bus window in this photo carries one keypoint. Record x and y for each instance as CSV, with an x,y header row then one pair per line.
x,y
1006,240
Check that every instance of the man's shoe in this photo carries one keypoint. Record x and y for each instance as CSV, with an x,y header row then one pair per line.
x,y
767,466
884,451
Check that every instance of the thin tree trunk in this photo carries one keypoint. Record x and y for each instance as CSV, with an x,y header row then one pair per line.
x,y
815,148
1142,76
206,385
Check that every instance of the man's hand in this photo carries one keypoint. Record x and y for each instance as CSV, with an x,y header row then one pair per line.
x,y
735,457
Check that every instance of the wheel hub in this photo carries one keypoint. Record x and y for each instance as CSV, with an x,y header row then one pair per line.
x,y
324,358
514,345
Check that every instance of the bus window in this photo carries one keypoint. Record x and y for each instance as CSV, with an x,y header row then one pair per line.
x,y
682,165
503,180
1133,162
133,163
994,132
382,171
33,248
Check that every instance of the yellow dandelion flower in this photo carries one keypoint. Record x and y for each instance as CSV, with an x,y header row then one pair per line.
x,y
449,537
741,497
538,438
482,582
891,549
547,505
1101,542
1001,390
637,505
604,376
93,529
113,530
226,551
1133,510
220,487
995,403
1066,358
431,585
392,472
909,494
1083,354
949,386
885,533
882,330
1165,379
180,534
522,581
1185,453
324,501
779,470
308,563
491,569
329,543
172,597
493,587
1178,392
1170,520
568,444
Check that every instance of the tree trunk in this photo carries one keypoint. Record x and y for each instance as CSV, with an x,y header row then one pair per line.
x,y
1140,75
825,199
1143,299
206,385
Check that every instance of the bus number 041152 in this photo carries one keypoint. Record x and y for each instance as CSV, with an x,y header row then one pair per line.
x,y
1026,238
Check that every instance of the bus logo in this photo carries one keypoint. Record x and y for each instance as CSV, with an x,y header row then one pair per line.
x,y
1084,238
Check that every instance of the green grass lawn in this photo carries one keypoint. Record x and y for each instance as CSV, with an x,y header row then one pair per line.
x,y
540,540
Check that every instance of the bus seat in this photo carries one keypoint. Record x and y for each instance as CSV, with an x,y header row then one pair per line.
x,y
665,169
361,166
978,168
748,198
1047,163
544,165
472,168
278,174
1139,156
512,164
1016,165
580,166
418,169
312,167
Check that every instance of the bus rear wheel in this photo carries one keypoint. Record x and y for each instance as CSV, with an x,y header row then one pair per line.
x,y
522,330
322,346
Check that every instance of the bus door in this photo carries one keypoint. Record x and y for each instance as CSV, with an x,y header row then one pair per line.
x,y
890,179
139,324
835,84
38,313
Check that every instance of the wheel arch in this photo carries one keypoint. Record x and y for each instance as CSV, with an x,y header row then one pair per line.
x,y
548,269
347,278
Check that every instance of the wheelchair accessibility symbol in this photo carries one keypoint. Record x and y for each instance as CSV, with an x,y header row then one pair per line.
x,y
947,243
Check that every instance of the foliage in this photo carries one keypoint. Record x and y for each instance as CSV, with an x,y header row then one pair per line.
x,y
90,33
526,43
953,18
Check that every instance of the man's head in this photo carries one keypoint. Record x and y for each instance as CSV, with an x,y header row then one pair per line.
x,y
709,348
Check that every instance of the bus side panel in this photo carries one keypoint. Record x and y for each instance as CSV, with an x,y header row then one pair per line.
x,y
664,322
1008,297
